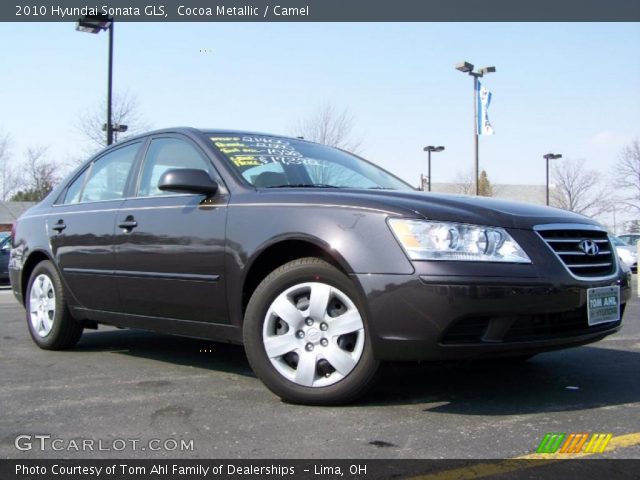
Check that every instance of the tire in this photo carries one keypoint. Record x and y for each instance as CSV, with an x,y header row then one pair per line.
x,y
311,319
50,323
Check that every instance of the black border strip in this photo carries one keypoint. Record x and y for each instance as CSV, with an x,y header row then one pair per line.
x,y
266,469
328,10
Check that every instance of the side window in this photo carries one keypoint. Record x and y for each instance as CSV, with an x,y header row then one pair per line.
x,y
108,175
167,154
75,189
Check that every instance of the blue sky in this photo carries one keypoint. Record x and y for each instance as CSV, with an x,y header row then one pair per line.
x,y
568,88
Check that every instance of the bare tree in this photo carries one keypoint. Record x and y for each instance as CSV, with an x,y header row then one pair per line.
x,y
628,174
9,177
40,176
579,190
125,111
464,183
632,226
330,127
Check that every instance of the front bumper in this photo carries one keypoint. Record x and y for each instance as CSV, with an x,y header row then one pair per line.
x,y
427,316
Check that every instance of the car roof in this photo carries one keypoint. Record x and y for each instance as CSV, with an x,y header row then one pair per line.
x,y
189,131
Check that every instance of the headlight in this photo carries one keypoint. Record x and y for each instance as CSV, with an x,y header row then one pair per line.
x,y
427,240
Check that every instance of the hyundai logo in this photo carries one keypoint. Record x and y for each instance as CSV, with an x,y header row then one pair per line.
x,y
589,247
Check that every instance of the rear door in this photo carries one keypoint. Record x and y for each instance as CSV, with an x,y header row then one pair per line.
x,y
170,247
81,227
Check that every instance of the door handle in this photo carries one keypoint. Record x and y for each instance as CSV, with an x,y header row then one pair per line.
x,y
128,224
60,226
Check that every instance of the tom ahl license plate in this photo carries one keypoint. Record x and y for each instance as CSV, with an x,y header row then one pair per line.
x,y
603,305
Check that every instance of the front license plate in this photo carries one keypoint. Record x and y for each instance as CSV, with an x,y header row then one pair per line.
x,y
603,304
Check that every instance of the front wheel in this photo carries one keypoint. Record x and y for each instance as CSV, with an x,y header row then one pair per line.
x,y
306,337
50,323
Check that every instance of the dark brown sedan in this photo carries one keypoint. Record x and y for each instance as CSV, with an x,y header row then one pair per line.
x,y
320,263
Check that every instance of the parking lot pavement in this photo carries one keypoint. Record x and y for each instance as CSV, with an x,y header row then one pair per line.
x,y
125,384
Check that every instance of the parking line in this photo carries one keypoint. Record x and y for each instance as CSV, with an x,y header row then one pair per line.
x,y
482,470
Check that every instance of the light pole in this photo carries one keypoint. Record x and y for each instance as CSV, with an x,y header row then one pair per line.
x,y
547,157
429,149
116,128
466,67
95,24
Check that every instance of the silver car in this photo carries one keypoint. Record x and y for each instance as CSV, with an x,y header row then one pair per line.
x,y
630,238
627,253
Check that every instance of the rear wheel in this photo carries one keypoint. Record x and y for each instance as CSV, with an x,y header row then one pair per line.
x,y
50,323
306,335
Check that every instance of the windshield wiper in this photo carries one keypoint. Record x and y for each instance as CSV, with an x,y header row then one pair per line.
x,y
304,185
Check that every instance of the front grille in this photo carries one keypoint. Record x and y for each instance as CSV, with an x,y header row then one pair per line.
x,y
566,244
523,328
553,325
467,330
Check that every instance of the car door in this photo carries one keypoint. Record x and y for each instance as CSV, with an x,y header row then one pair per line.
x,y
81,227
170,247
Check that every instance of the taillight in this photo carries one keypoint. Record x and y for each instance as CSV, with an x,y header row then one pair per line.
x,y
13,234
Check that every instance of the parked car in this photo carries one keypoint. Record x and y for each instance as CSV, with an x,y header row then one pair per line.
x,y
630,238
321,263
627,253
5,250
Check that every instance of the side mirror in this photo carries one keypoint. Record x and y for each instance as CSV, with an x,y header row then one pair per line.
x,y
187,180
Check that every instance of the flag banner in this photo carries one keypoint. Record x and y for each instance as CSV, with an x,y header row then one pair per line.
x,y
483,126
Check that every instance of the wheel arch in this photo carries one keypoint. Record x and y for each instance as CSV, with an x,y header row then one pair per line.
x,y
280,251
34,258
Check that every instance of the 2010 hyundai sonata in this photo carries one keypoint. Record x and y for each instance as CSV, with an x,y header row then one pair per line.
x,y
319,262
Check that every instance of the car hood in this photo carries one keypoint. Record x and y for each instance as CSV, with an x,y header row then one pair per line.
x,y
625,248
436,206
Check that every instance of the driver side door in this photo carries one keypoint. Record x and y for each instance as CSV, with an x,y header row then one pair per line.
x,y
170,247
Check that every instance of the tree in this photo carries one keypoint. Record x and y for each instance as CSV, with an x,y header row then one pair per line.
x,y
464,183
579,190
125,111
330,127
40,176
466,186
9,177
633,226
628,174
484,185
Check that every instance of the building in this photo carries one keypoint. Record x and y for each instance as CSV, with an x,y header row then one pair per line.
x,y
10,211
521,193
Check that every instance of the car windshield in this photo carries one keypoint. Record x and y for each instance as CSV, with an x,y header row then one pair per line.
x,y
630,239
618,243
274,162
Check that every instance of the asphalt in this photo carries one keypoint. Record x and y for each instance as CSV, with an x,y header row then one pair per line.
x,y
127,384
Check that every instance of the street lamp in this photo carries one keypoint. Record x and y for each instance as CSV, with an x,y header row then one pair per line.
x,y
466,67
116,128
430,149
96,24
547,157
